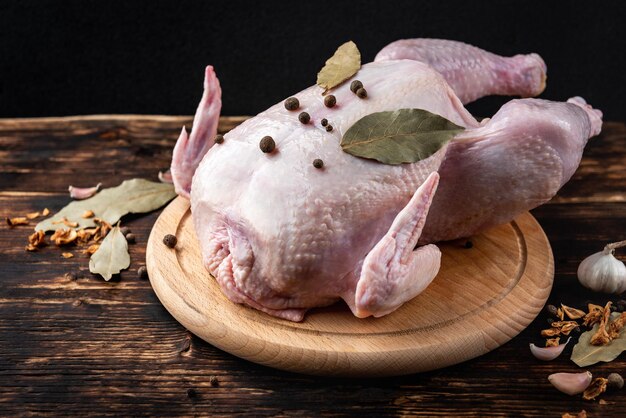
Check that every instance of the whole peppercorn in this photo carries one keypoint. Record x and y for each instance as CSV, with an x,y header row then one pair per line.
x,y
130,238
615,381
468,244
355,85
552,310
329,128
218,139
142,272
330,101
324,122
317,163
214,381
267,144
292,103
191,393
170,241
362,93
304,118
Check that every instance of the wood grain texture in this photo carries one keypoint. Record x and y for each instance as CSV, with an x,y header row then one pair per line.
x,y
481,298
76,345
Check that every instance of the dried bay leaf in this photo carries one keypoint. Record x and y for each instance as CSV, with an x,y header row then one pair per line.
x,y
585,354
341,66
399,136
112,255
132,196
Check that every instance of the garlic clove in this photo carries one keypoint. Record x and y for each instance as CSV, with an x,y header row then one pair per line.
x,y
602,272
548,353
80,193
571,383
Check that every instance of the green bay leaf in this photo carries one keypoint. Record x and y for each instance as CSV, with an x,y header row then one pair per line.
x,y
112,256
399,136
584,354
341,66
132,196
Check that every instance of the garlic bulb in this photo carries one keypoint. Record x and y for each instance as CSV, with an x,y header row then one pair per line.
x,y
602,272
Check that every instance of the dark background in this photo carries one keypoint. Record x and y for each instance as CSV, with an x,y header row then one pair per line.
x,y
85,57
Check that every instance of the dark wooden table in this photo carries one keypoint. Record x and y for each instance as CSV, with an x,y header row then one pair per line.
x,y
75,344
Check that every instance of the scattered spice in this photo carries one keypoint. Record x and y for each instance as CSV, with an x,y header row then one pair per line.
x,y
65,222
581,414
191,393
318,163
170,241
91,249
330,101
36,240
329,128
214,381
615,381
601,337
361,93
142,272
33,215
87,214
553,342
267,144
552,310
468,244
292,103
616,326
219,139
64,236
552,332
67,255
20,220
324,122
304,118
130,238
355,85
572,313
597,386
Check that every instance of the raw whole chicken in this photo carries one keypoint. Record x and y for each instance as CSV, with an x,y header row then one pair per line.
x,y
283,236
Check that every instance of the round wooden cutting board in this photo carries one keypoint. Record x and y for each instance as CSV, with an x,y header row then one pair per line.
x,y
482,297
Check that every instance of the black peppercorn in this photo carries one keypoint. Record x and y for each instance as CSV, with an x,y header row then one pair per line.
x,y
304,118
267,144
292,103
468,244
330,101
214,381
362,93
317,163
142,272
170,241
218,139
324,122
552,310
355,85
130,238
329,128
191,393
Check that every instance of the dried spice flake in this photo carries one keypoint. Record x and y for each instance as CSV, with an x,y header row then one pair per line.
x,y
20,220
87,214
67,255
572,313
64,236
553,342
36,240
585,354
552,332
597,387
601,337
581,414
91,249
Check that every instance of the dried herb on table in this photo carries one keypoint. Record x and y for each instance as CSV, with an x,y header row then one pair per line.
x,y
132,196
345,62
112,256
585,354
